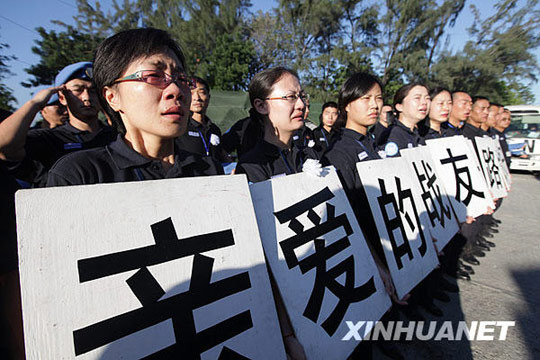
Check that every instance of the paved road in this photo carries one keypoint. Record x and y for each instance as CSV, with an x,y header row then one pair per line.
x,y
506,287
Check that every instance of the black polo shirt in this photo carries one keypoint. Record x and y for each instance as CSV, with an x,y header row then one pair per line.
x,y
431,134
380,133
470,131
45,146
352,147
117,162
323,139
203,139
448,129
400,137
302,138
266,161
242,136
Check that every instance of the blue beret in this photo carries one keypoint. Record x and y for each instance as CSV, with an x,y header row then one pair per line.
x,y
80,70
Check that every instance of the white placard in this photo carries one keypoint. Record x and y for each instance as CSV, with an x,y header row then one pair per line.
x,y
457,166
106,272
501,159
443,220
402,225
490,166
318,256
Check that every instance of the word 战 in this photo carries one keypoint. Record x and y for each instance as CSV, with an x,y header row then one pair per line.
x,y
394,330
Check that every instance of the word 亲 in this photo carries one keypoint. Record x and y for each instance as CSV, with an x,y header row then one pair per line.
x,y
394,330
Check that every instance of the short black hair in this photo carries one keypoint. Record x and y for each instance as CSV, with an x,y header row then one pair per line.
x,y
437,90
478,98
459,91
202,81
115,54
328,104
354,87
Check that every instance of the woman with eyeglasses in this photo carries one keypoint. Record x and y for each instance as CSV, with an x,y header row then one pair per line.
x,y
143,87
279,104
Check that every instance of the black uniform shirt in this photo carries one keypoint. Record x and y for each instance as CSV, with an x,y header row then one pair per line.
x,y
323,139
242,136
400,137
470,131
431,134
45,146
266,161
448,129
118,162
204,140
352,147
380,133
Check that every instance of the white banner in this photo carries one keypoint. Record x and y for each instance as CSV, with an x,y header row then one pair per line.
x,y
319,259
457,166
401,221
169,268
430,189
490,166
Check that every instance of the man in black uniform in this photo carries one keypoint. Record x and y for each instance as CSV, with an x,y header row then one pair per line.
x,y
30,155
498,130
54,114
479,115
461,110
324,135
202,136
379,132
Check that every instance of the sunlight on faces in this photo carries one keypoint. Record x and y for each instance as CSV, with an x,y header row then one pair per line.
x,y
480,111
504,120
80,98
365,110
462,105
329,116
284,115
200,98
147,110
441,106
415,106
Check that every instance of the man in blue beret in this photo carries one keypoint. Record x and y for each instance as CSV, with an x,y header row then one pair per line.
x,y
29,155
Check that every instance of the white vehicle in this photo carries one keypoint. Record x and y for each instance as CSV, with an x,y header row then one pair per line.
x,y
523,137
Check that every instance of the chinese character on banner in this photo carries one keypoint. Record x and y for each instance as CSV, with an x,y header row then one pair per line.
x,y
176,271
490,166
437,204
455,162
401,220
319,258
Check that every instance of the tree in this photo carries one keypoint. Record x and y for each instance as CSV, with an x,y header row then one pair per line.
x,y
498,59
6,94
57,50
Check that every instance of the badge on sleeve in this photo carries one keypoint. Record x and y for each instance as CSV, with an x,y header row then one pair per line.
x,y
391,149
311,143
214,139
362,155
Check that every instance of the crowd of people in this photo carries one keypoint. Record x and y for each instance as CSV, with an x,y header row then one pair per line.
x,y
156,128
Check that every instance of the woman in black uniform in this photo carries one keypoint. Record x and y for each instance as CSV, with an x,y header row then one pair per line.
x,y
279,103
360,103
411,104
142,85
439,111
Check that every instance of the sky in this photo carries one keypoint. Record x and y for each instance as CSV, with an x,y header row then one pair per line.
x,y
19,18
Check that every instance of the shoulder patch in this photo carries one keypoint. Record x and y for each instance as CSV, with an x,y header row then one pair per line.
x,y
391,149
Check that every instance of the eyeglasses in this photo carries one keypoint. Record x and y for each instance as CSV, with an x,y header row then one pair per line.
x,y
159,78
292,98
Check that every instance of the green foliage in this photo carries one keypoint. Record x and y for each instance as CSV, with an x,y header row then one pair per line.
x,y
6,94
324,40
57,50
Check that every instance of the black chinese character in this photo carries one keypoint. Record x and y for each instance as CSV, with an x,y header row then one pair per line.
x,y
324,278
396,223
492,169
179,308
467,185
431,194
